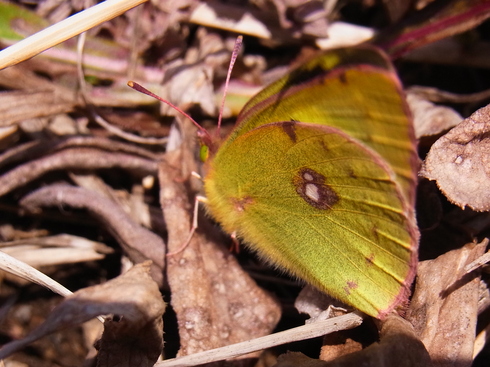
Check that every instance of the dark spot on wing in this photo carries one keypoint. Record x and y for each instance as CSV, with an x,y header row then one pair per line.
x,y
240,204
311,186
350,285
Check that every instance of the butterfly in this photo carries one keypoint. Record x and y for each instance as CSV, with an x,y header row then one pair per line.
x,y
318,177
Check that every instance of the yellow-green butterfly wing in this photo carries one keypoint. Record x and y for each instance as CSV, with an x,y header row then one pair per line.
x,y
318,177
354,89
316,202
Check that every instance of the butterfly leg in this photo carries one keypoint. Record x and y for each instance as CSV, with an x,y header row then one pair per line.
x,y
197,200
235,247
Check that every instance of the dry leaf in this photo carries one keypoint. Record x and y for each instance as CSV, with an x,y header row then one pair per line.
x,y
189,85
19,105
238,18
430,119
313,302
310,16
296,359
132,338
445,304
75,158
460,162
436,21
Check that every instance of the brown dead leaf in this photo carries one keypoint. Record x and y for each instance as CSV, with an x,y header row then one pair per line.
x,y
189,85
460,162
297,359
274,20
398,346
132,338
216,302
430,119
437,95
445,304
338,344
309,16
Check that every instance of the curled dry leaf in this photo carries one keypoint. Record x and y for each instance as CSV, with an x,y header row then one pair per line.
x,y
238,18
337,345
445,304
460,162
317,304
430,119
133,338
310,17
274,20
216,302
37,148
53,250
132,203
437,95
192,84
19,105
138,242
74,158
398,346
38,257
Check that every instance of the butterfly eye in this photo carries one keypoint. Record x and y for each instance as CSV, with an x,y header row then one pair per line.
x,y
204,153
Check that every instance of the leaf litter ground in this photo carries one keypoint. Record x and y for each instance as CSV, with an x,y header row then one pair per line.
x,y
63,174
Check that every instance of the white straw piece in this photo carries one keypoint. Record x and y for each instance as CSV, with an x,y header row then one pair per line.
x,y
21,269
308,331
67,28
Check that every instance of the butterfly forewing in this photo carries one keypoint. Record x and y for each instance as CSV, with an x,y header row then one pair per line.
x,y
353,89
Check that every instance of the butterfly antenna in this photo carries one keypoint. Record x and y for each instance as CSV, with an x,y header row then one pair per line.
x,y
202,132
234,55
